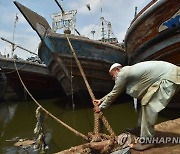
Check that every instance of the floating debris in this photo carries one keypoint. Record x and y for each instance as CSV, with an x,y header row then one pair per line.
x,y
25,143
39,142
40,139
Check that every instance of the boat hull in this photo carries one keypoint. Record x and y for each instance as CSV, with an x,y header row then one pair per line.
x,y
95,57
155,34
36,77
3,86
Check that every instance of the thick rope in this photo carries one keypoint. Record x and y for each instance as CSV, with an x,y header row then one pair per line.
x,y
98,115
81,71
50,114
97,126
106,124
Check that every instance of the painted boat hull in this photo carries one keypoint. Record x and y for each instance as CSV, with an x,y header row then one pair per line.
x,y
36,77
95,57
155,35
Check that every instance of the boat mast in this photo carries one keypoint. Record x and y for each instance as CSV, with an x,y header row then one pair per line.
x,y
106,31
109,30
102,29
62,10
93,32
13,47
135,11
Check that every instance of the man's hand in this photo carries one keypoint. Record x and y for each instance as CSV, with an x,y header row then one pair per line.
x,y
97,101
97,109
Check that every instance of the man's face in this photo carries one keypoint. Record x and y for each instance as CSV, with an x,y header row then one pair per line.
x,y
114,72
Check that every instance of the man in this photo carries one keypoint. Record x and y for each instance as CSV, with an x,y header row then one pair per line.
x,y
153,82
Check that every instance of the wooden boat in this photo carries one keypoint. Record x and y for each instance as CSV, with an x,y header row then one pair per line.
x,y
3,85
154,34
36,77
95,56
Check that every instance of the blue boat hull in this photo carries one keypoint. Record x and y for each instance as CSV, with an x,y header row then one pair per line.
x,y
95,57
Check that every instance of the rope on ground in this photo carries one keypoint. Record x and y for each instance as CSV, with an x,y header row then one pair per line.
x,y
99,115
50,114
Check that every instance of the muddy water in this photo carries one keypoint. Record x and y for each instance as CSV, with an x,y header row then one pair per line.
x,y
17,119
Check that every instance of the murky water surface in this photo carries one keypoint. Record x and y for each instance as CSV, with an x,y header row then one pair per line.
x,y
17,119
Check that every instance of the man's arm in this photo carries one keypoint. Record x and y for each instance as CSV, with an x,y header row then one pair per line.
x,y
116,91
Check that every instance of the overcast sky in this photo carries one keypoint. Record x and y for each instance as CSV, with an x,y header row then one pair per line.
x,y
119,12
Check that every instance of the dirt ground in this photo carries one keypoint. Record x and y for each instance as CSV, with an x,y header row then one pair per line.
x,y
169,128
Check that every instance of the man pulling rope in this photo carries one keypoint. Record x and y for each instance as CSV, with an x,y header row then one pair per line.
x,y
153,82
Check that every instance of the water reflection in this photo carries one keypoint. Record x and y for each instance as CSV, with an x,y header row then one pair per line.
x,y
7,112
17,119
